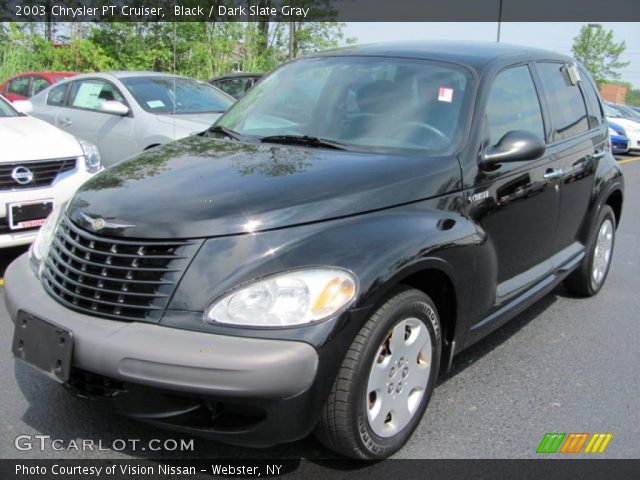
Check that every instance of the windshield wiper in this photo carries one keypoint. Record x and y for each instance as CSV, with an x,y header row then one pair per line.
x,y
303,140
225,131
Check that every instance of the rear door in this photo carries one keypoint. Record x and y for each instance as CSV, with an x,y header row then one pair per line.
x,y
578,141
517,203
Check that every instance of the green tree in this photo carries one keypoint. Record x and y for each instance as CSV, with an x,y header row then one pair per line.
x,y
596,49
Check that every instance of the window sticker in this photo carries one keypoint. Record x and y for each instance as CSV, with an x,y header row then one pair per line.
x,y
87,96
155,103
445,94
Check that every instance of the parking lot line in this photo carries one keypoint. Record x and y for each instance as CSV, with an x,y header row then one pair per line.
x,y
629,160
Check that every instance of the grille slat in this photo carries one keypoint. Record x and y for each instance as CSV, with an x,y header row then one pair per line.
x,y
112,277
44,172
87,261
99,277
96,299
116,253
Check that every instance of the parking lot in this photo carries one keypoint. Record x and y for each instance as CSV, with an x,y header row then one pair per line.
x,y
565,365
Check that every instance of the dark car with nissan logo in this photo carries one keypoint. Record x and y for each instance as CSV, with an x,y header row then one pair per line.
x,y
317,257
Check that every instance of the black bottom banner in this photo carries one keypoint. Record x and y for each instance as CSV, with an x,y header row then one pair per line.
x,y
546,469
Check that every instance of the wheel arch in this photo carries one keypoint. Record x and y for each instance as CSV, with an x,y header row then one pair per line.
x,y
614,200
436,278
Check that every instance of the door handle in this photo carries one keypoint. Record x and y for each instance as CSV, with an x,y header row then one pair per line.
x,y
552,173
599,154
65,122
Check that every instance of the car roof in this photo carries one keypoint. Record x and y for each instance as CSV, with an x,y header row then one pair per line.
x,y
476,55
125,74
237,75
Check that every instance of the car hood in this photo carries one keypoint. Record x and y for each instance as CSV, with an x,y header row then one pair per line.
x,y
27,138
189,124
201,187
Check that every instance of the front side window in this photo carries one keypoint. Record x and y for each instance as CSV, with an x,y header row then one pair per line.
x,y
359,102
513,105
19,86
232,86
90,94
566,105
175,95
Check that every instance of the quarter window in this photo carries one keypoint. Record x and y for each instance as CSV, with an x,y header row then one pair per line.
x,y
513,104
566,105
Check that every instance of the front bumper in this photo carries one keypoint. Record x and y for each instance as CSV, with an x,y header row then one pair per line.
x,y
184,371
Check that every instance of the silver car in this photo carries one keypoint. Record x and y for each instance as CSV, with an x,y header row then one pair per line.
x,y
124,113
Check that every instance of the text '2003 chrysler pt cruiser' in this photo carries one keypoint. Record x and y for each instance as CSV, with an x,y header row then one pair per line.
x,y
314,259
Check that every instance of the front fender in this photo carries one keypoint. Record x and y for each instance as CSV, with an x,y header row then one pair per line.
x,y
381,248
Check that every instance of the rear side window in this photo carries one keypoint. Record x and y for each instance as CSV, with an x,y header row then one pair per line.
x,y
596,116
513,104
566,105
56,95
39,84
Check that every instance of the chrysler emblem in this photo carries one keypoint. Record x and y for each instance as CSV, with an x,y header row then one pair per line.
x,y
22,175
98,223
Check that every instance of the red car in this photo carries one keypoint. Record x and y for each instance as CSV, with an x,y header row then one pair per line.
x,y
26,85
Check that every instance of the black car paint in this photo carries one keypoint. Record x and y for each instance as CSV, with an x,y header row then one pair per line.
x,y
388,218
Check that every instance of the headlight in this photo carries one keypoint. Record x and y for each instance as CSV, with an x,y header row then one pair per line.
x,y
40,247
92,158
292,298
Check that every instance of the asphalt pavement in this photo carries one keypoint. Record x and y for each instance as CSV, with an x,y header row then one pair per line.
x,y
565,365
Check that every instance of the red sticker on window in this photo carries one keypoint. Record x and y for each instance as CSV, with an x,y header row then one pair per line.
x,y
445,94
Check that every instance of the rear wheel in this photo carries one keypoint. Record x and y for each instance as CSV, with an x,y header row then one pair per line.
x,y
589,277
386,379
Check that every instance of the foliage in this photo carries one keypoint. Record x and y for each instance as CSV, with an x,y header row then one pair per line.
x,y
196,49
595,48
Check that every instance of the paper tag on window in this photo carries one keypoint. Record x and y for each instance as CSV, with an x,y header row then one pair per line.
x,y
445,94
155,103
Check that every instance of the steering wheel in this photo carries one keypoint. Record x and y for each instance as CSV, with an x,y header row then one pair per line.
x,y
423,126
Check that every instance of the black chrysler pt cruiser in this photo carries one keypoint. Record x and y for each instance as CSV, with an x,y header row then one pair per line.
x,y
312,261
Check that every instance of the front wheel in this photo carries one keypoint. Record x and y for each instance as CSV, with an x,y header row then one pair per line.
x,y
386,379
589,277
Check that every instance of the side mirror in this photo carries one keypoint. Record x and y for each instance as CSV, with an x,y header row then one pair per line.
x,y
113,107
515,146
23,106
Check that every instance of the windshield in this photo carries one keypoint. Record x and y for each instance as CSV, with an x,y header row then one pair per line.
x,y
169,95
358,102
7,110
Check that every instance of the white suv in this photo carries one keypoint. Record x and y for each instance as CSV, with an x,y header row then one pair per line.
x,y
40,166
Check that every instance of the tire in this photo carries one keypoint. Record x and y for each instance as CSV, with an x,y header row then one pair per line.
x,y
584,280
353,422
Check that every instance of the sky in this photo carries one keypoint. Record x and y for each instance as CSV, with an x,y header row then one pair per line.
x,y
556,36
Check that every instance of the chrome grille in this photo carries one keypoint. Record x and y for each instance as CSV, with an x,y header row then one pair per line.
x,y
44,172
112,277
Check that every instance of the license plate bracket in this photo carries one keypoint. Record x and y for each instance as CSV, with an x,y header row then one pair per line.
x,y
30,214
43,345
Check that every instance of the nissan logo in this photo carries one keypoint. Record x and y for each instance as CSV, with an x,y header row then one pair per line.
x,y
22,175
